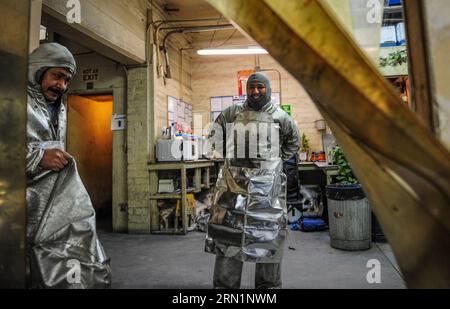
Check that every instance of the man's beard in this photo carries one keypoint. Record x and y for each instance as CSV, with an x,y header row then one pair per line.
x,y
59,93
257,103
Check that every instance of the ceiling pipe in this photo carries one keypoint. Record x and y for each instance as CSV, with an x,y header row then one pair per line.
x,y
167,73
190,29
159,23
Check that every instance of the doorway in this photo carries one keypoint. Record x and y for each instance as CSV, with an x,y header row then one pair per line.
x,y
89,140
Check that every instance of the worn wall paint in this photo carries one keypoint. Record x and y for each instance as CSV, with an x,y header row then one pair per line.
x,y
35,23
139,117
172,87
438,40
179,86
119,25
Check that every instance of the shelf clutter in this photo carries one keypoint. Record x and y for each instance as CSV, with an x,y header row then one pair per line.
x,y
393,29
172,188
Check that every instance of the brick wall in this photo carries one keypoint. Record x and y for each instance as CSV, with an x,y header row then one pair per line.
x,y
172,87
217,76
180,63
147,115
138,139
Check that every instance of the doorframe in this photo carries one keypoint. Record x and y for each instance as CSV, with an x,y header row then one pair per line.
x,y
99,92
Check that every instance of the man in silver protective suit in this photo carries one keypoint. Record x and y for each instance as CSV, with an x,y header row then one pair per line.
x,y
248,220
63,250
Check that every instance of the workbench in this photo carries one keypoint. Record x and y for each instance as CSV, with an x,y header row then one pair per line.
x,y
329,170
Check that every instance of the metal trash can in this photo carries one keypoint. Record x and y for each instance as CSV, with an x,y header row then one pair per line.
x,y
350,216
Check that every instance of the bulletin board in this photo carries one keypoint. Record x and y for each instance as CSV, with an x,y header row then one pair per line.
x,y
219,104
178,111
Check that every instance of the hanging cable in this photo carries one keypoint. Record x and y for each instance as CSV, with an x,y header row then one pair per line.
x,y
226,41
163,48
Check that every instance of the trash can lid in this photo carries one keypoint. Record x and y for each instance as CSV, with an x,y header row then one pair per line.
x,y
342,192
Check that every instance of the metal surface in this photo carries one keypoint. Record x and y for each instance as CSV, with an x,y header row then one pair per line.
x,y
404,170
13,78
249,215
61,230
350,224
164,151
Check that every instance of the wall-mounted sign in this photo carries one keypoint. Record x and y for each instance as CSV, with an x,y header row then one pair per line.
x,y
90,75
242,81
118,122
287,109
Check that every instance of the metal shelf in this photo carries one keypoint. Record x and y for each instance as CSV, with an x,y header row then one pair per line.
x,y
392,15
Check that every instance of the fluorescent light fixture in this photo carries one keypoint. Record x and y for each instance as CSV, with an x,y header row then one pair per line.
x,y
233,51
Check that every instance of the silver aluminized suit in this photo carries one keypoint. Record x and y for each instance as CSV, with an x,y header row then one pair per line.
x,y
248,218
63,247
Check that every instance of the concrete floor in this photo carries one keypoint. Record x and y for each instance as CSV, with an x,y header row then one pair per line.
x,y
179,262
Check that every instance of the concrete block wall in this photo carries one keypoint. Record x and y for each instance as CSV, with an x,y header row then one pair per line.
x,y
172,87
217,76
147,115
180,63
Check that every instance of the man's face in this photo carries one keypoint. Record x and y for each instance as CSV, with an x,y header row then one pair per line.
x,y
55,83
256,90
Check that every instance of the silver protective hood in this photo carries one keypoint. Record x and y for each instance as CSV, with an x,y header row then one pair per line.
x,y
63,250
49,55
